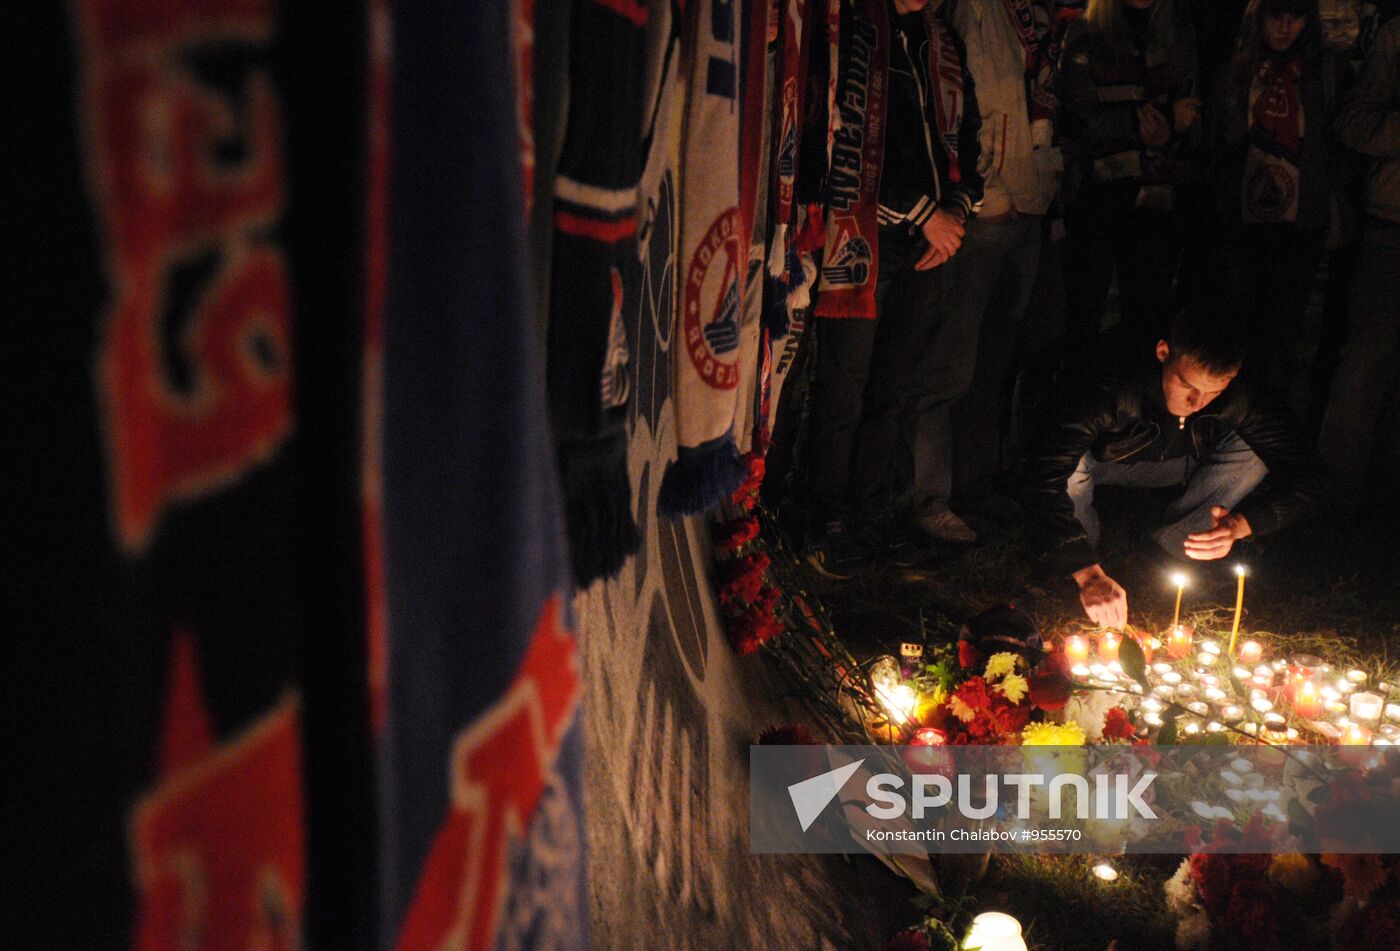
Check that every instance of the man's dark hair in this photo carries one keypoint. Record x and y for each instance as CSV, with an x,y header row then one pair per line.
x,y
1209,336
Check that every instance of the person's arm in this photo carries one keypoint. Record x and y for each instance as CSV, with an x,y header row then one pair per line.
x,y
1369,123
1297,476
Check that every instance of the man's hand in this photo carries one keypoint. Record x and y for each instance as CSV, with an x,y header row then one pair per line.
x,y
1152,126
1216,543
1185,112
1104,599
944,233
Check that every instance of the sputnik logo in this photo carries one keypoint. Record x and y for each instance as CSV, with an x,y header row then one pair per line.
x,y
811,796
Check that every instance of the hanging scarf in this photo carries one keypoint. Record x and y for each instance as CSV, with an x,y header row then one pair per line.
x,y
1032,25
595,201
850,264
1271,177
792,84
713,255
945,73
853,182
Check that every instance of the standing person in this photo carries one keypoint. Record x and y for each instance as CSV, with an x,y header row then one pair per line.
x,y
1011,55
1130,124
876,305
1277,104
1370,124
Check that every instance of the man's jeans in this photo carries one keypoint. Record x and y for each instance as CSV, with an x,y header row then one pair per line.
x,y
1229,474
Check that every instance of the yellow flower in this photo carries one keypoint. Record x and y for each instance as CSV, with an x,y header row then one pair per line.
x,y
1052,734
998,664
1013,687
1293,872
961,710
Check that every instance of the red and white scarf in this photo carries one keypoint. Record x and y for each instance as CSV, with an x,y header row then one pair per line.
x,y
1271,176
850,264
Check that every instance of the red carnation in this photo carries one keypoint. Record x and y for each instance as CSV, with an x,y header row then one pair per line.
x,y
973,692
1117,725
743,578
734,534
969,657
908,941
1050,689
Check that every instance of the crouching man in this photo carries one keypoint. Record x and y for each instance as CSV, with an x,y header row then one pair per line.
x,y
1184,422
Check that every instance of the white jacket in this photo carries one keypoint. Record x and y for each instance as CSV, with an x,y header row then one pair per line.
x,y
1020,166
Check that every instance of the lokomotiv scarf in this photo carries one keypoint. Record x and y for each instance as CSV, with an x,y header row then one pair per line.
x,y
705,360
850,264
1271,176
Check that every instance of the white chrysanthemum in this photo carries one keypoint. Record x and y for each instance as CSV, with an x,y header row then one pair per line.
x,y
1181,891
1088,708
1193,932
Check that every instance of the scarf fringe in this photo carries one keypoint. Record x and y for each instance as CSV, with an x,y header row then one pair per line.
x,y
700,478
598,508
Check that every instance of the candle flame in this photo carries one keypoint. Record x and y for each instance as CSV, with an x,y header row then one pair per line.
x,y
1241,570
1179,579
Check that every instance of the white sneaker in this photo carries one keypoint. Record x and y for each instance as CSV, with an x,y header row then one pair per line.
x,y
946,527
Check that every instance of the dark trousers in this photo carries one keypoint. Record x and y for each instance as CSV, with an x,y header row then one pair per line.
x,y
1277,267
1370,359
867,395
1108,234
989,286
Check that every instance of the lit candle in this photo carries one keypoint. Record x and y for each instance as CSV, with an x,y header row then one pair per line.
x,y
1240,572
1356,735
1306,701
1105,872
1366,707
1108,646
1392,711
1171,677
1250,652
1179,580
1356,676
899,702
1077,649
1179,640
994,931
1231,713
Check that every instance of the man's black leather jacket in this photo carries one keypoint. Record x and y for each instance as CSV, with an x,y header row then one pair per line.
x,y
1128,421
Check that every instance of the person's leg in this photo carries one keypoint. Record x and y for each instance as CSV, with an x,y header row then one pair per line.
x,y
980,417
1231,472
874,459
1369,359
844,347
1091,473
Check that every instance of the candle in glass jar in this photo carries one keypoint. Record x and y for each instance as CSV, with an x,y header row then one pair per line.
x,y
1366,707
1356,735
1077,649
1306,701
1179,640
1250,652
1108,646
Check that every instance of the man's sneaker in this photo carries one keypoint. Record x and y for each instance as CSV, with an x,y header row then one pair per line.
x,y
836,555
946,527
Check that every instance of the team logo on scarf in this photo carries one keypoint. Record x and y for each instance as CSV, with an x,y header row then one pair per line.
x,y
711,305
1275,143
787,144
851,260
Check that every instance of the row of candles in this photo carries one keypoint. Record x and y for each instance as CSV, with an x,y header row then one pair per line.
x,y
1300,682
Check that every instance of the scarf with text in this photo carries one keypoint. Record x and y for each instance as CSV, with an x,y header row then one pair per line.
x,y
1271,177
713,259
850,264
